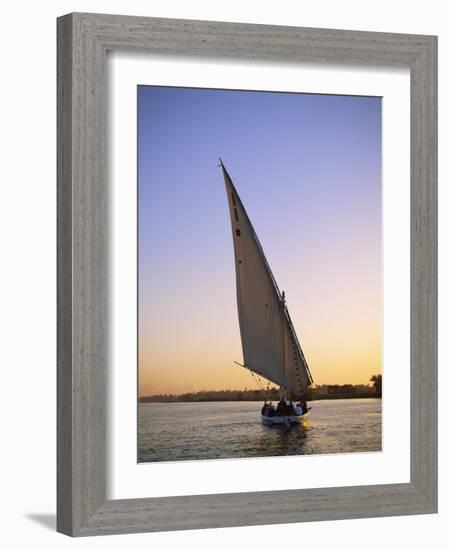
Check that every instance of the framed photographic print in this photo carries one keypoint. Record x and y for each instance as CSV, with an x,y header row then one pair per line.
x,y
246,274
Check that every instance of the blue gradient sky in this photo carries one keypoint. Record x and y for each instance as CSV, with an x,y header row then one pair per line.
x,y
308,169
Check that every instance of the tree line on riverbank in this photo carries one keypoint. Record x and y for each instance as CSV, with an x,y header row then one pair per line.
x,y
323,391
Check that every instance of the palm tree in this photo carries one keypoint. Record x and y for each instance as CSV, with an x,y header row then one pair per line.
x,y
376,379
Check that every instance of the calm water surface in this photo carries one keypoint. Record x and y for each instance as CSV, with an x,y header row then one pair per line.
x,y
198,431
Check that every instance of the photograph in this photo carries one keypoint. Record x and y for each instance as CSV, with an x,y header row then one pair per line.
x,y
259,274
223,235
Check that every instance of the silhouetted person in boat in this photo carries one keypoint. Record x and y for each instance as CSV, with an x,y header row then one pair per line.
x,y
281,408
268,409
290,411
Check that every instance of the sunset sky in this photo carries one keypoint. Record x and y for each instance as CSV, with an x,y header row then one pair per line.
x,y
308,170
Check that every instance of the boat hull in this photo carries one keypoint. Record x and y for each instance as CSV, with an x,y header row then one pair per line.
x,y
283,420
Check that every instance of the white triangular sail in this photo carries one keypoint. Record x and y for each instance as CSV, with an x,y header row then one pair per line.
x,y
270,345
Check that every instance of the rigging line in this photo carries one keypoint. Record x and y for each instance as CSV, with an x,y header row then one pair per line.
x,y
258,373
256,379
267,389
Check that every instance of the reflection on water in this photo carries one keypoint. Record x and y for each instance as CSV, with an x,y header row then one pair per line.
x,y
198,431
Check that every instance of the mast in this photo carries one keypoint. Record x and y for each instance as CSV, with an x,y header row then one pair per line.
x,y
269,341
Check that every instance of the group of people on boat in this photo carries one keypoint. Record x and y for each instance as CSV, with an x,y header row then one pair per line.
x,y
285,409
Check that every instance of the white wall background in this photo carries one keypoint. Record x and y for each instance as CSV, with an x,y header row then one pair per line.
x,y
28,267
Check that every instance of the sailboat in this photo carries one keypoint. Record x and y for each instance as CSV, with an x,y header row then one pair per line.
x,y
271,348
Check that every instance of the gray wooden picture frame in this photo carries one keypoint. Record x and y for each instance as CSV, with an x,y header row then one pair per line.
x,y
83,40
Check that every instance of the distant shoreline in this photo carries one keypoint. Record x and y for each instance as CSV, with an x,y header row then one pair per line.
x,y
157,399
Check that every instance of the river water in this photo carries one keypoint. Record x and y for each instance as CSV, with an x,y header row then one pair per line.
x,y
198,431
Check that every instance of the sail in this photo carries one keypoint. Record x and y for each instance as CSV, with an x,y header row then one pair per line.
x,y
270,345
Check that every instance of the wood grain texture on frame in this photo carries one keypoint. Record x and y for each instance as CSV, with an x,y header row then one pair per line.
x,y
83,40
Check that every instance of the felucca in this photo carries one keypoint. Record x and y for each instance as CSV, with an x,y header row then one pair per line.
x,y
271,348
